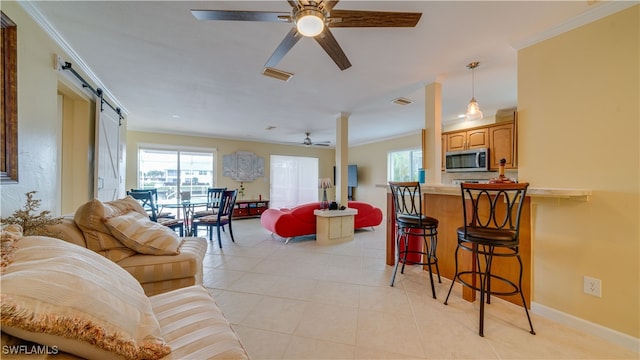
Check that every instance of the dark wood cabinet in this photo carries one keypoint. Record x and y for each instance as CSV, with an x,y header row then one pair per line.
x,y
249,208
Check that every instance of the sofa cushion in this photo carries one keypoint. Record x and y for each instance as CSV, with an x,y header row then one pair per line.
x,y
159,273
68,231
90,219
139,233
194,326
368,215
64,296
304,212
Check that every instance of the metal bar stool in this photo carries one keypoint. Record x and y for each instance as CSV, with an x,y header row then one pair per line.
x,y
491,230
410,221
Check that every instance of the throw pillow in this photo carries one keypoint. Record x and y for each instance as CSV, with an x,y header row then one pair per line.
x,y
71,299
143,235
90,219
8,238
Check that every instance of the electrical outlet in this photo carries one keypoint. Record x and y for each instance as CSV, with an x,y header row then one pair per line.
x,y
592,286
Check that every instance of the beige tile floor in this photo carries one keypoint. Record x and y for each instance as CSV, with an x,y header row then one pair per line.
x,y
307,301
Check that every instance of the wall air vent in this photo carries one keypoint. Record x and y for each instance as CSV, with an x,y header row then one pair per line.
x,y
402,101
277,74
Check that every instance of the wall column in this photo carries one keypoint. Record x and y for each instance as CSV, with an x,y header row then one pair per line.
x,y
342,158
432,134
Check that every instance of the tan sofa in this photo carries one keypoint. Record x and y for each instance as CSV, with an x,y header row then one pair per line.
x,y
62,301
156,273
155,255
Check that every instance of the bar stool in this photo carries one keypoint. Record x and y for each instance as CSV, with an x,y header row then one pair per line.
x,y
491,229
410,221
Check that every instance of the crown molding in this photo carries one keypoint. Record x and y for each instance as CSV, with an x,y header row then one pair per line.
x,y
76,60
598,12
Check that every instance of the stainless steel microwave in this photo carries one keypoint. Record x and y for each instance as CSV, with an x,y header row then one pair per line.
x,y
467,160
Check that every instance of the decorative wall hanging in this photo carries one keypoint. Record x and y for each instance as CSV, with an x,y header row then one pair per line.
x,y
243,166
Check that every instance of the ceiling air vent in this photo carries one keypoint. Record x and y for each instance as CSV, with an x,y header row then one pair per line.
x,y
401,101
277,74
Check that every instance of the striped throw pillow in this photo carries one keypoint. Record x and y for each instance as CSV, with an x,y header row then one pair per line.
x,y
139,233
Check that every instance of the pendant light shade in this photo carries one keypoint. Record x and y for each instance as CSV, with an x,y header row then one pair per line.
x,y
473,109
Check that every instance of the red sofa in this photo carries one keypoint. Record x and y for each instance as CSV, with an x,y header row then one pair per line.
x,y
300,220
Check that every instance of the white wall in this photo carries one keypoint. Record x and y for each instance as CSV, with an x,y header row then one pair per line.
x,y
38,124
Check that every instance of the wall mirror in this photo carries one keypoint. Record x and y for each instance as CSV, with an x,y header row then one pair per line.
x,y
8,101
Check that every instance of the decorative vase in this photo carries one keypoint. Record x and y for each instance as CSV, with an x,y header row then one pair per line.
x,y
501,179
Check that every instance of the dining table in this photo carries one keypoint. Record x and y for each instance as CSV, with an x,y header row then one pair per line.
x,y
188,209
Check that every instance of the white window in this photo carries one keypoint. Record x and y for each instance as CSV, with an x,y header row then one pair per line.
x,y
294,181
173,171
403,165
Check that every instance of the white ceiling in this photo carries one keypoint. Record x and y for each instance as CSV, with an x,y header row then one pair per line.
x,y
160,63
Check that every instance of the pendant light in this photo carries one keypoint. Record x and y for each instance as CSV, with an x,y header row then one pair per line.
x,y
473,110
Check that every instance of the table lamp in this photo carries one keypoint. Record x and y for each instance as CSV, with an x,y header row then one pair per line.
x,y
324,184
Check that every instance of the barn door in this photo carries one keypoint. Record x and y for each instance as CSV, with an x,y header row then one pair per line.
x,y
107,158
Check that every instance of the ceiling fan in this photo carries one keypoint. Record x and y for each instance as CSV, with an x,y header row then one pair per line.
x,y
313,19
307,141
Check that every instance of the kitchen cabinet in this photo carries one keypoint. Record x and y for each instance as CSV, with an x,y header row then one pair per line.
x,y
499,138
468,139
502,140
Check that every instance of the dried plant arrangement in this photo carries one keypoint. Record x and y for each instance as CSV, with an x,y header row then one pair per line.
x,y
31,222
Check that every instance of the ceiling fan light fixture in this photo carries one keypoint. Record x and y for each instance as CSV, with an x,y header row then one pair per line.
x,y
473,109
310,22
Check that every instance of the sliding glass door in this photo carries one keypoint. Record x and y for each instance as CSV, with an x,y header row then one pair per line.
x,y
175,172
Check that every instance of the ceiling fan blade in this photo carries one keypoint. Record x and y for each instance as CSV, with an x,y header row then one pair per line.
x,y
328,4
357,18
241,15
333,49
287,43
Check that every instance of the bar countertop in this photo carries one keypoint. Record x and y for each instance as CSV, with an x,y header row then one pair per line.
x,y
535,192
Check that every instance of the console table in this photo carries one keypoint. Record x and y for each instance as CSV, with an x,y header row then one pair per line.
x,y
334,226
249,208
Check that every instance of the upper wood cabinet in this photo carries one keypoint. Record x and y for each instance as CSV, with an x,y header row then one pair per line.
x,y
501,138
468,139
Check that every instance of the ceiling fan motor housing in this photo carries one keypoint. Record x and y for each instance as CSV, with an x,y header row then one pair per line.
x,y
310,21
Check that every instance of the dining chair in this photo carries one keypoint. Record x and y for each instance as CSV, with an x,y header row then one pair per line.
x,y
146,199
213,202
491,230
411,223
154,193
222,217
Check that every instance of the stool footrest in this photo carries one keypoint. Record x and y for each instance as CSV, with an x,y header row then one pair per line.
x,y
430,259
515,289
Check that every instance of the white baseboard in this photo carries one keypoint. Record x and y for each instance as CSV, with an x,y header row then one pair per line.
x,y
600,331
